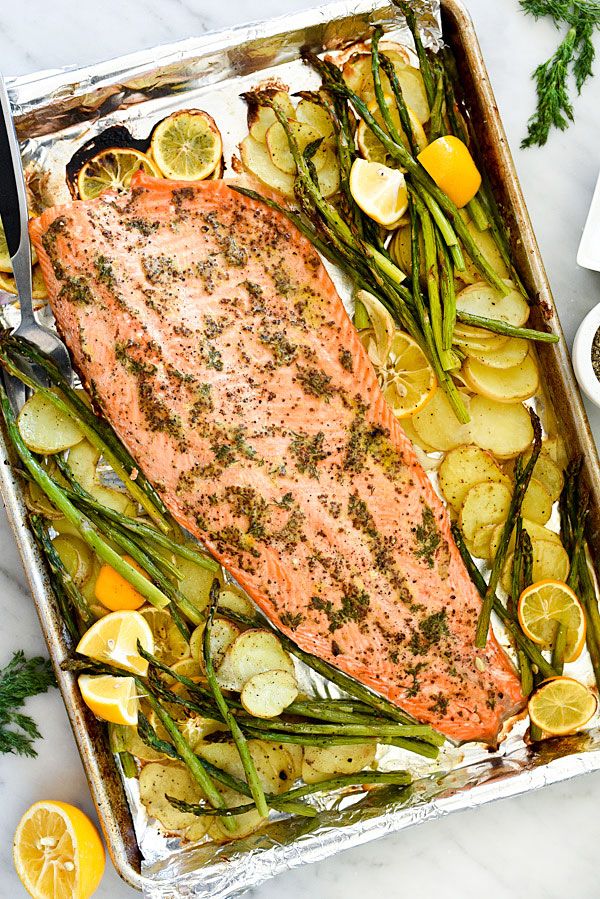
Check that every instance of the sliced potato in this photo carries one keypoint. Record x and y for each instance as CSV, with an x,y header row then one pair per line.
x,y
469,338
196,581
237,602
357,74
550,560
251,653
113,499
64,526
328,175
480,546
482,299
462,468
537,503
505,385
159,780
274,765
485,243
502,428
485,504
133,743
512,353
222,635
83,461
267,694
169,644
548,473
410,431
37,501
260,118
279,147
317,117
321,763
256,160
44,428
400,251
437,425
198,829
75,555
296,754
246,824
535,531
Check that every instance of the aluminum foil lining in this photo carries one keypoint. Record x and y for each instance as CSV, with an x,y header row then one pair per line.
x,y
56,113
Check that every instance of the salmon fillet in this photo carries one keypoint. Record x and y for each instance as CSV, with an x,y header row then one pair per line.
x,y
210,334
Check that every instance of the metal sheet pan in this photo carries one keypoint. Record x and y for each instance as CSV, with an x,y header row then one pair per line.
x,y
58,111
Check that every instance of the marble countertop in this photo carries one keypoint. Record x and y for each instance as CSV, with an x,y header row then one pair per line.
x,y
541,845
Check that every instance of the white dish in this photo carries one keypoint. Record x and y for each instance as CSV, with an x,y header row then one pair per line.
x,y
588,255
582,348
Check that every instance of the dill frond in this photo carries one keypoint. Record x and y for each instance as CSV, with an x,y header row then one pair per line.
x,y
19,680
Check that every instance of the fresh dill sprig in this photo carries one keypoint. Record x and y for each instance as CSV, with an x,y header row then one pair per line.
x,y
19,680
573,56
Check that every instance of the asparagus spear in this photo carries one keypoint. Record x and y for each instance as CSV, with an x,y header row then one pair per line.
x,y
395,778
521,484
238,737
499,327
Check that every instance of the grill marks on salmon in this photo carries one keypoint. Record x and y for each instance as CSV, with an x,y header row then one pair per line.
x,y
210,334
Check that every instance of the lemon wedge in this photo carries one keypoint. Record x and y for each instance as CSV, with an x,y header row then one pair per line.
x,y
110,698
187,145
379,191
57,852
114,639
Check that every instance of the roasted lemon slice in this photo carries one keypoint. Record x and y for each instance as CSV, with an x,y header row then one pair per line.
x,y
546,605
169,644
562,705
380,191
112,169
58,852
187,145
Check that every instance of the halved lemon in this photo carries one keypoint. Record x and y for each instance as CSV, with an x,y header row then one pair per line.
x,y
562,705
112,169
379,191
187,145
114,639
57,852
170,646
113,699
114,592
543,607
371,147
452,167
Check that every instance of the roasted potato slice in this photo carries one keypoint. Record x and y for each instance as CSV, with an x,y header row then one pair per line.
x,y
504,385
251,653
159,780
75,555
260,118
548,473
482,299
462,468
328,175
504,429
279,147
437,425
535,531
83,461
317,117
44,428
321,763
267,694
236,601
485,243
512,353
196,581
485,504
256,160
113,499
222,635
537,503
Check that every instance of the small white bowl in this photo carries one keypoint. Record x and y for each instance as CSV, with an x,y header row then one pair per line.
x,y
582,355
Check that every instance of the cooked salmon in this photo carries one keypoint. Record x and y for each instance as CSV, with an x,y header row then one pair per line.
x,y
210,334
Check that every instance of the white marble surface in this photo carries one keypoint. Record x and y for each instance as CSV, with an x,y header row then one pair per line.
x,y
543,845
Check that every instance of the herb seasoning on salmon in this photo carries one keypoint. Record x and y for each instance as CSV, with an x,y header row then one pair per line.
x,y
211,335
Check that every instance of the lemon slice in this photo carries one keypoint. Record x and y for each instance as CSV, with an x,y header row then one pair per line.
x,y
114,639
543,607
379,191
169,644
112,169
562,705
58,853
372,148
187,145
113,699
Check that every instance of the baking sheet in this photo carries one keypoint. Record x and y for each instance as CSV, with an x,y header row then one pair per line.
x,y
56,113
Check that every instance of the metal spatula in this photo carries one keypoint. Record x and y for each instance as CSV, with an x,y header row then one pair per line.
x,y
13,212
